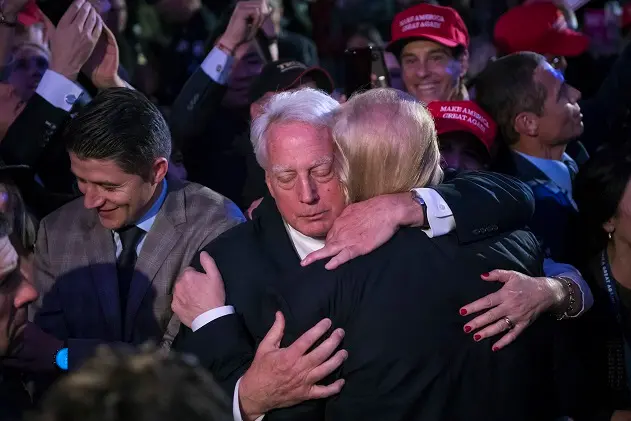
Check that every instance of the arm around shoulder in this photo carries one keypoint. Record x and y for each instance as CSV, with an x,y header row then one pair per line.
x,y
485,204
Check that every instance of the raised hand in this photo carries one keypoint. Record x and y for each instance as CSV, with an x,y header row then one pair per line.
x,y
102,66
74,38
247,18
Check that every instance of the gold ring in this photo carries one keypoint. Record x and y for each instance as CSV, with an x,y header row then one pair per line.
x,y
509,323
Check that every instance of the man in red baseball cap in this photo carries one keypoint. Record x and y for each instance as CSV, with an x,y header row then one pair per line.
x,y
542,28
465,133
432,44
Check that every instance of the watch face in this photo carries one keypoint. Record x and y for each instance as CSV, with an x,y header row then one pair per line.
x,y
62,359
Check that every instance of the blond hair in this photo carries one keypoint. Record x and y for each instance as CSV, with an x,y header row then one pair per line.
x,y
387,144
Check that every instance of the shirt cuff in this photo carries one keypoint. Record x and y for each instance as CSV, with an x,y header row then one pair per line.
x,y
210,316
439,215
236,407
58,90
217,65
552,268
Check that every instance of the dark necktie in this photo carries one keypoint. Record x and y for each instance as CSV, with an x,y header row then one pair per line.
x,y
126,262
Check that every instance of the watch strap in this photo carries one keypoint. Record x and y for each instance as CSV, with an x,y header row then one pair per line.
x,y
419,199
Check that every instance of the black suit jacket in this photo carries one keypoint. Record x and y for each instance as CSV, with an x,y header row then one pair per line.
x,y
258,254
198,100
555,221
34,140
409,358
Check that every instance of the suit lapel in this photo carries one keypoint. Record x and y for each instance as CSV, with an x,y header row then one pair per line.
x,y
101,255
276,241
530,174
159,242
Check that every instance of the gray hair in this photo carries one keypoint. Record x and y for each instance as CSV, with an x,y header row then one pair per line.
x,y
304,105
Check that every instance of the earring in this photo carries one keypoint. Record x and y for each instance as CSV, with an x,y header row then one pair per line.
x,y
609,235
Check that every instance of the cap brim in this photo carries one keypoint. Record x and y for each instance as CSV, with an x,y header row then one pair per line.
x,y
447,125
396,46
567,43
15,171
26,19
320,76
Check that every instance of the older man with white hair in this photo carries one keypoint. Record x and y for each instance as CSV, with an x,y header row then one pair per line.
x,y
292,141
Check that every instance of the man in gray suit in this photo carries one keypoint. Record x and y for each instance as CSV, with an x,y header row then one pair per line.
x,y
106,262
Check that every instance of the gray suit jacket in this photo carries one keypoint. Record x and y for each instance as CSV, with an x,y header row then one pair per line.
x,y
76,270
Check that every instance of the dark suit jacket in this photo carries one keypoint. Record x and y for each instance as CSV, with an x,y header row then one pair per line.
x,y
76,270
33,139
258,254
195,104
409,358
555,218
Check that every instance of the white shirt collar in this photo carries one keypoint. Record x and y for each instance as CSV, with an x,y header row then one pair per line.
x,y
303,244
555,170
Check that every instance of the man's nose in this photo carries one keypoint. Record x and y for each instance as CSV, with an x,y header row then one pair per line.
x,y
91,198
25,295
308,192
422,69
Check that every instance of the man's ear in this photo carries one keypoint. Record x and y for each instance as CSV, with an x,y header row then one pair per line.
x,y
160,168
256,109
527,124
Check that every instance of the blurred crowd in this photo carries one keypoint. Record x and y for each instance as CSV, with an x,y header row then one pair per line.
x,y
453,175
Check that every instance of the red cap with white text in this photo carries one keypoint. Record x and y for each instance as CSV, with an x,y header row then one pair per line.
x,y
440,24
463,116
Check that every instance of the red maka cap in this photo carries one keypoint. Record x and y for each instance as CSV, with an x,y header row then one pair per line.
x,y
463,116
425,21
30,14
538,27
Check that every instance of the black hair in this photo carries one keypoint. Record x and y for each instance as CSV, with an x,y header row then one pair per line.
x,y
507,87
121,125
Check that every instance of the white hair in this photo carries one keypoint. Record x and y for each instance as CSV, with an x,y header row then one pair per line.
x,y
304,105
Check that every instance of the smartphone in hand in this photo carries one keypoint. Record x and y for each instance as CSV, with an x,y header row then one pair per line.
x,y
364,68
54,9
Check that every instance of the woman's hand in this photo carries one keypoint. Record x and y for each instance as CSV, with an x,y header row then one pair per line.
x,y
513,308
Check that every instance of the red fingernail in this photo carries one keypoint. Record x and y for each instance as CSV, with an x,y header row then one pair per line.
x,y
477,337
485,275
467,329
463,312
495,349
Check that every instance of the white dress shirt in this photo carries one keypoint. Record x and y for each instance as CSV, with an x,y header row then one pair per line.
x,y
58,90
